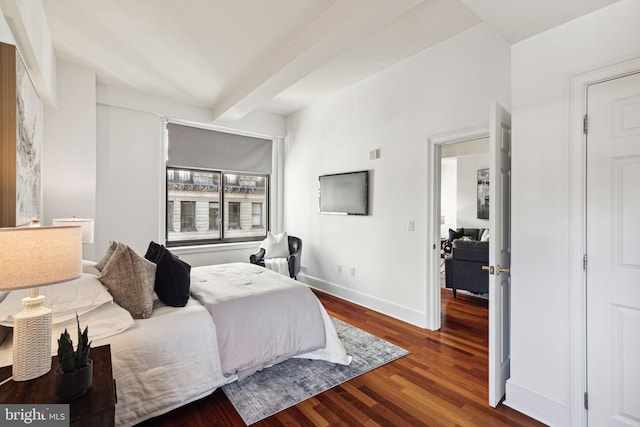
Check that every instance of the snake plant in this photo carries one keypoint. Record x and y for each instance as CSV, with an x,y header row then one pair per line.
x,y
69,359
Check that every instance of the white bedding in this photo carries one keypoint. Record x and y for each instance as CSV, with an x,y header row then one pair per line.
x,y
261,317
165,362
169,359
159,363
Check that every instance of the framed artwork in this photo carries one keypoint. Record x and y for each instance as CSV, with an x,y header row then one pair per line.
x,y
20,142
483,193
28,148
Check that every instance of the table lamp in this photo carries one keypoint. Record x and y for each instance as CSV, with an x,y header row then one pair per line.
x,y
31,257
85,224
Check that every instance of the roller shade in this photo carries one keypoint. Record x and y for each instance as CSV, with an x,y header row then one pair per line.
x,y
192,147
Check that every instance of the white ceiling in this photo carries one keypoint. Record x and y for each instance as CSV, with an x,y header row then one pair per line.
x,y
235,56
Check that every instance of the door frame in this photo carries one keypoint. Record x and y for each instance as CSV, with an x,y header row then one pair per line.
x,y
577,230
434,158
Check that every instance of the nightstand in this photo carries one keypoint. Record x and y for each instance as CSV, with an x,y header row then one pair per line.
x,y
95,408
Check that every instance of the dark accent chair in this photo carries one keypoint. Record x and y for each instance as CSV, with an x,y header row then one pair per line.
x,y
295,251
463,268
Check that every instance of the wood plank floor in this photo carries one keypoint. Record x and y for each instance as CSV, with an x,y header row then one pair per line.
x,y
443,382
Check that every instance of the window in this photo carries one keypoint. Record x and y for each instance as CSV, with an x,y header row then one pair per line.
x,y
234,215
211,202
214,216
212,213
170,219
256,212
187,216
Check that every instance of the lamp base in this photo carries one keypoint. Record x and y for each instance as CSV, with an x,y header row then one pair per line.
x,y
32,340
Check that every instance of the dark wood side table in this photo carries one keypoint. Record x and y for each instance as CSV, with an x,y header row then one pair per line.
x,y
95,408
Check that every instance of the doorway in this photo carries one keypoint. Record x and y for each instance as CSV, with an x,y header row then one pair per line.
x,y
499,133
462,204
434,209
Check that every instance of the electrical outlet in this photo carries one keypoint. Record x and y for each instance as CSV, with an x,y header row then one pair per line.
x,y
353,271
411,225
339,268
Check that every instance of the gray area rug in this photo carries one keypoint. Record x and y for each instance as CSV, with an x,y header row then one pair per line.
x,y
292,381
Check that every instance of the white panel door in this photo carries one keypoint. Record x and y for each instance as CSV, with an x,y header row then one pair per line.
x,y
499,252
613,252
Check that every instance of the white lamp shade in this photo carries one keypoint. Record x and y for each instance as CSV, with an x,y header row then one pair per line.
x,y
86,224
31,257
39,256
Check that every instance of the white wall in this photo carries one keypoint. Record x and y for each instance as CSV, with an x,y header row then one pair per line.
x,y
69,152
445,88
541,70
467,190
448,195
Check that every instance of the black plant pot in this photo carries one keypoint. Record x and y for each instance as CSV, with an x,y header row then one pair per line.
x,y
71,385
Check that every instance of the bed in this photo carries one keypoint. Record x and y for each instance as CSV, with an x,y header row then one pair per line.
x,y
174,356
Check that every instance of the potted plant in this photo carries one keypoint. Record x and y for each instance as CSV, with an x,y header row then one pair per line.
x,y
74,375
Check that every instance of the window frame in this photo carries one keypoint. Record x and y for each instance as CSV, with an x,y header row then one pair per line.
x,y
222,239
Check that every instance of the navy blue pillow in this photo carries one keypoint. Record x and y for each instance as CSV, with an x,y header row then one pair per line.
x,y
454,234
172,275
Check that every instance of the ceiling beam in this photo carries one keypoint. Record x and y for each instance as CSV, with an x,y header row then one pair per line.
x,y
342,26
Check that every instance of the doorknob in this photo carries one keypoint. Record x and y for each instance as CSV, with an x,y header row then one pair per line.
x,y
501,270
488,268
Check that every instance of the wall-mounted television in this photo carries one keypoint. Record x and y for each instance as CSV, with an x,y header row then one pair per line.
x,y
345,193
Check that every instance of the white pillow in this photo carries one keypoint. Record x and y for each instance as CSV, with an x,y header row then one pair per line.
x,y
485,235
105,321
277,246
64,299
90,267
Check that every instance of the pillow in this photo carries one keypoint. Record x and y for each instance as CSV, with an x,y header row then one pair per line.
x,y
454,234
112,247
173,278
64,299
89,267
277,246
485,235
130,278
105,321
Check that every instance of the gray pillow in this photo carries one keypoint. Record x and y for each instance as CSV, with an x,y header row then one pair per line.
x,y
130,279
105,258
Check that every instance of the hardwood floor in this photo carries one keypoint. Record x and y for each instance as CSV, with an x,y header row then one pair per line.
x,y
443,382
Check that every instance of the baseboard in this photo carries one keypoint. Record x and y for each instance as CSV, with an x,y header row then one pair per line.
x,y
405,314
534,405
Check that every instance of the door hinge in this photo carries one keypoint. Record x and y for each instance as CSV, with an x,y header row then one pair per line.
x,y
585,124
586,400
584,262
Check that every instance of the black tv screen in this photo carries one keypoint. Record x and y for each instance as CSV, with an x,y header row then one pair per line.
x,y
345,193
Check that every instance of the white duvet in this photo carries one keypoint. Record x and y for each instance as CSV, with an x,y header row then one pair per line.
x,y
169,359
261,317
